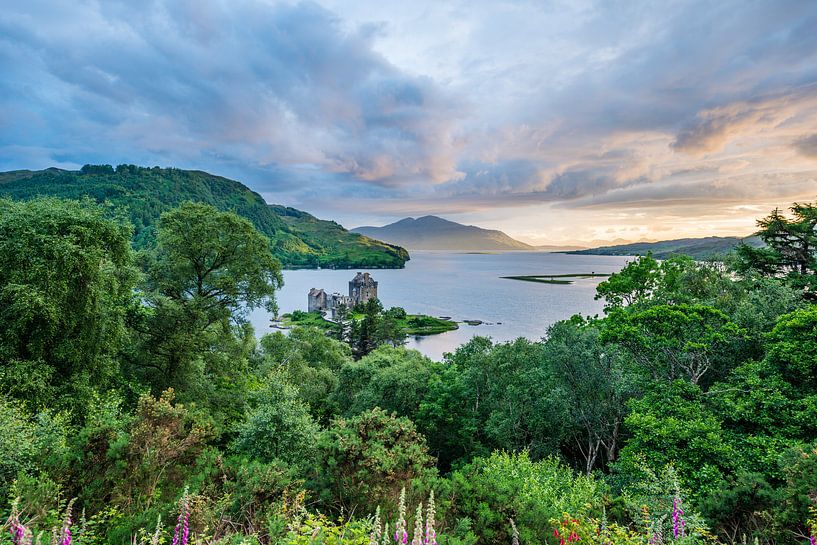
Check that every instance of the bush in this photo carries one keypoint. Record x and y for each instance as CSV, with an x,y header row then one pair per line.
x,y
490,491
366,460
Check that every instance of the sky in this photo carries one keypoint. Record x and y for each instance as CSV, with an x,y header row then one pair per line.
x,y
558,122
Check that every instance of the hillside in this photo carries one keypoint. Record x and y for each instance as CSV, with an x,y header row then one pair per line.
x,y
698,248
434,233
299,239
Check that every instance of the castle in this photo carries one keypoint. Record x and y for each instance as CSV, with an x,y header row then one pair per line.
x,y
362,288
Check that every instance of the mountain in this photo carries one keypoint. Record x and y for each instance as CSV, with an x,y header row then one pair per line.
x,y
698,248
559,249
433,233
298,239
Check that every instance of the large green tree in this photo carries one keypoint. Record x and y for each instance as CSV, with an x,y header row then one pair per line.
x,y
207,270
667,342
394,379
65,285
594,386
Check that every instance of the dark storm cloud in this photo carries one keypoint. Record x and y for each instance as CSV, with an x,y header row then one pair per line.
x,y
189,81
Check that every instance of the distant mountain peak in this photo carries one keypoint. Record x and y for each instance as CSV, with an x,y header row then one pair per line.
x,y
436,233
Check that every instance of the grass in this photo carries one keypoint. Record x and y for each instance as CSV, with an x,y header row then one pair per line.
x,y
420,324
412,324
555,278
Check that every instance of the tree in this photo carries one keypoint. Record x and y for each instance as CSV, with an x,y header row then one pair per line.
x,y
279,427
394,379
311,360
671,424
207,270
791,246
792,348
490,397
65,284
595,385
631,284
376,328
669,342
503,486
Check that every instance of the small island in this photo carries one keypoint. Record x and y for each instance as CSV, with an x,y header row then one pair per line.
x,y
353,308
409,324
555,278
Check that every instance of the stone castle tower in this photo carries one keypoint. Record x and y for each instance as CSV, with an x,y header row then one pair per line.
x,y
362,288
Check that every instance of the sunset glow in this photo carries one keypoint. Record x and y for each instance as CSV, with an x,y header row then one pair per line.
x,y
557,122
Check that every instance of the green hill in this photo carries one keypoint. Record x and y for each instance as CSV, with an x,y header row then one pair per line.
x,y
698,248
299,240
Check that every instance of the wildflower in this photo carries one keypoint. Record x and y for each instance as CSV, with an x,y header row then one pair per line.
x,y
65,535
678,522
417,538
182,530
431,533
385,535
658,534
400,532
514,534
154,540
18,532
374,537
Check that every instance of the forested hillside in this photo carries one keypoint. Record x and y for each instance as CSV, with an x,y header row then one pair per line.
x,y
699,248
298,239
138,407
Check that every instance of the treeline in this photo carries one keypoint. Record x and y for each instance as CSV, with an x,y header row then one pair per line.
x,y
687,414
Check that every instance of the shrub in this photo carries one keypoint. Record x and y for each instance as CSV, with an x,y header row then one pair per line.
x,y
504,486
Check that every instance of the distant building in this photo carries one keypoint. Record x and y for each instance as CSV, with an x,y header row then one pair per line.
x,y
362,288
317,300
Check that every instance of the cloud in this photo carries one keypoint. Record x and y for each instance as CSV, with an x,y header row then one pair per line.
x,y
807,146
713,128
267,84
352,108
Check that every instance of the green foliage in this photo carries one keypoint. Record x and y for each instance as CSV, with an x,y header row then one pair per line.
x,y
376,328
311,360
279,427
698,387
793,347
65,286
494,397
394,379
298,239
28,444
634,282
595,385
207,270
367,459
667,342
791,247
489,491
670,425
320,530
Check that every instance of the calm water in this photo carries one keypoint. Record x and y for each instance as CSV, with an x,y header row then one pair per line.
x,y
467,287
